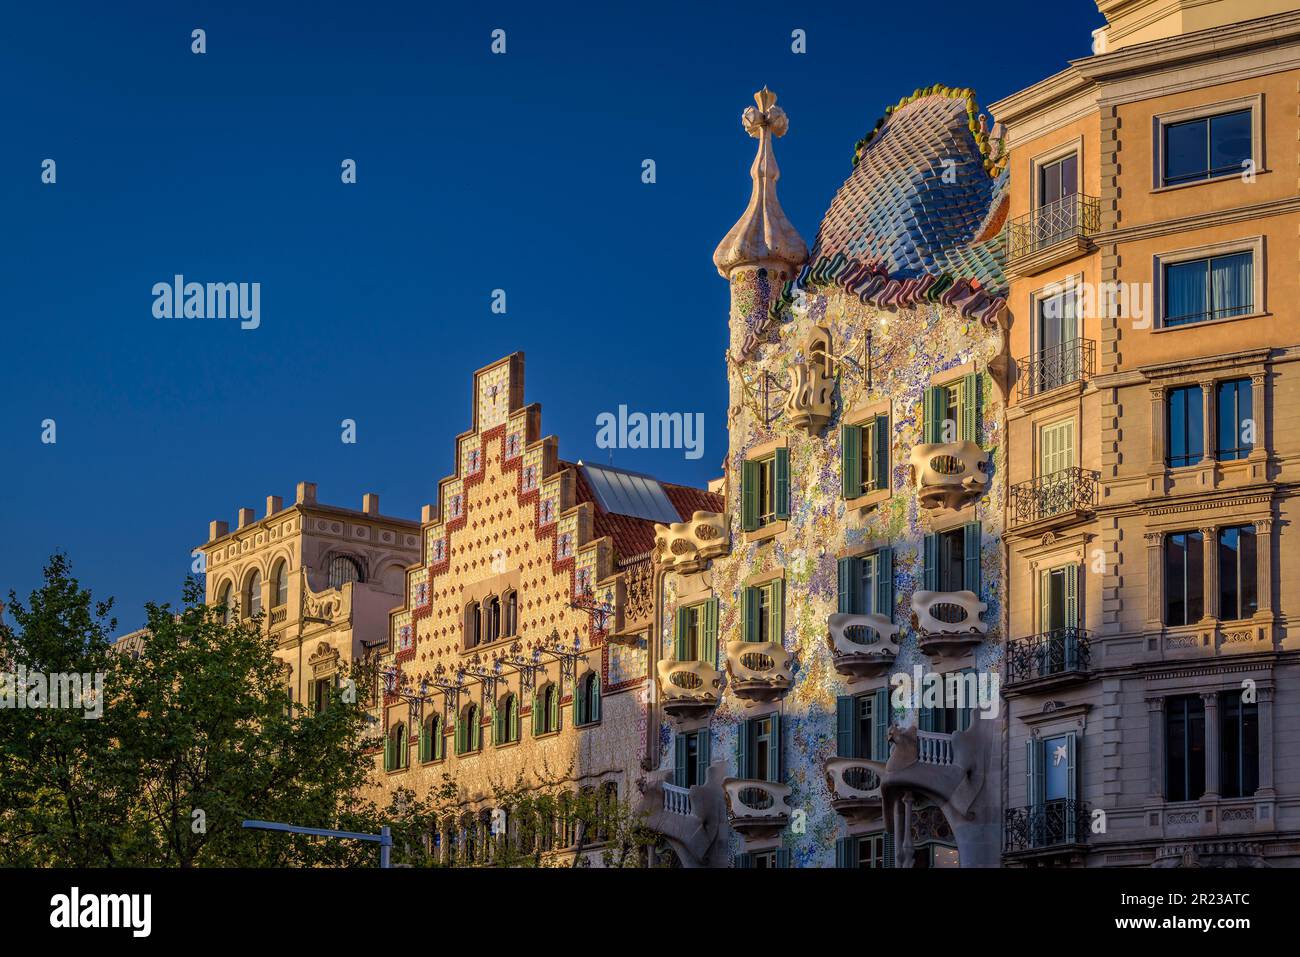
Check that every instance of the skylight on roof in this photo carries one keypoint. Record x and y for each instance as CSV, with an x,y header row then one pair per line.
x,y
629,493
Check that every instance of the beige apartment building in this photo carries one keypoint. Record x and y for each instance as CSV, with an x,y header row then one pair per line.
x,y
325,578
1151,680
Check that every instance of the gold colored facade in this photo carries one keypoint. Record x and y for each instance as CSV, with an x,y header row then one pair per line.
x,y
1153,235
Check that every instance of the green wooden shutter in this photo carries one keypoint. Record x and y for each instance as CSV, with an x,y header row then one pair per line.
x,y
851,461
703,755
933,407
783,857
439,742
889,850
388,752
1036,782
555,709
844,848
579,693
424,742
971,557
849,574
537,713
679,761
749,624
776,768
709,632
1071,596
777,618
885,582
930,574
968,401
744,861
744,751
595,699
1072,788
964,715
679,634
498,728
881,441
476,733
925,719
846,726
781,484
880,725
749,496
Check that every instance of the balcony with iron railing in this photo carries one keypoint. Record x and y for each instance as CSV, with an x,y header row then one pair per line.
x,y
1053,499
1058,657
1054,826
1054,367
1051,234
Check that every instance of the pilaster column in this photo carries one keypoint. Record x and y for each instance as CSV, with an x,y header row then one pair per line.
x,y
1212,749
1266,743
1158,456
1156,744
1258,413
1264,566
1155,580
1209,429
1210,572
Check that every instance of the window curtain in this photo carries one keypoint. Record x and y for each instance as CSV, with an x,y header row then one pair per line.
x,y
1232,285
1185,289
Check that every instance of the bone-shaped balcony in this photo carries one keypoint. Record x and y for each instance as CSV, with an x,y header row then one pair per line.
x,y
862,646
757,807
854,784
688,689
949,474
688,546
759,670
948,622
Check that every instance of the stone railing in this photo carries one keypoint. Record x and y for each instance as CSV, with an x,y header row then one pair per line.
x,y
933,747
948,622
854,784
688,688
760,670
754,805
863,646
676,800
949,474
687,546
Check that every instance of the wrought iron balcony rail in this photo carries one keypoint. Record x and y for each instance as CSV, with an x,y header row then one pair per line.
x,y
1066,490
1071,217
1057,652
1047,825
1072,361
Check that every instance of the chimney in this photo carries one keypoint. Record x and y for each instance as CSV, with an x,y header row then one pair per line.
x,y
426,514
370,503
273,504
245,517
216,530
306,493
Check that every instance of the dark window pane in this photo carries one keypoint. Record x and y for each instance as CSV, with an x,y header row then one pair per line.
x,y
1185,427
1184,578
1184,748
1186,152
1229,142
1249,577
1238,589
1228,583
1235,401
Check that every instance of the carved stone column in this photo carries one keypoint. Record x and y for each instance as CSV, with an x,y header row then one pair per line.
x,y
1210,572
1155,580
1209,428
1156,744
1211,700
1264,566
1266,741
1258,413
1158,457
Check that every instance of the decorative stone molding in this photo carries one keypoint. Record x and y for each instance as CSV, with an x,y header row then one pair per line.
x,y
329,607
862,646
757,808
689,689
949,474
948,622
759,670
812,384
854,785
687,546
325,661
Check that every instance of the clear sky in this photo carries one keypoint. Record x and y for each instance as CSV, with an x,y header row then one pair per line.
x,y
475,172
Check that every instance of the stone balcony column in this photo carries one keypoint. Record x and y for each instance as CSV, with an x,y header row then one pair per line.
x,y
1266,741
1264,566
1156,744
1155,580
1212,749
1157,431
1209,429
1258,414
1210,572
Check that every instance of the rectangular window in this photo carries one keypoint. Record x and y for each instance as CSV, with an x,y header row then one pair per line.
x,y
320,694
764,612
1234,401
1185,426
952,560
951,413
1217,287
758,749
1059,599
871,850
1239,760
1184,748
1184,578
765,490
864,457
1207,147
691,759
1058,179
1238,585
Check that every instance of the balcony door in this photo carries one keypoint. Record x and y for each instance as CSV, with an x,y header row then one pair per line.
x,y
1058,620
1059,359
1055,457
1058,183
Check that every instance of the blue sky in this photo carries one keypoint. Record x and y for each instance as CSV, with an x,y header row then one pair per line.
x,y
475,172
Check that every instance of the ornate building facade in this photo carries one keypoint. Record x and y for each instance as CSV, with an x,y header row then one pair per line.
x,y
862,537
1151,676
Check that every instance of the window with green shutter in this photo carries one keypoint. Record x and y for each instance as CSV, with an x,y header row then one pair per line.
x,y
866,850
695,633
864,457
952,559
851,461
759,754
749,476
763,613
765,490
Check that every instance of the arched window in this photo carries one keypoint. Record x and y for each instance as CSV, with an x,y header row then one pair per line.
x,y
343,570
253,594
473,624
226,598
469,730
493,618
280,584
431,741
546,710
511,614
505,723
396,754
586,700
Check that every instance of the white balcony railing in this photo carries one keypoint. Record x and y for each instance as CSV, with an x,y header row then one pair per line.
x,y
676,800
932,747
